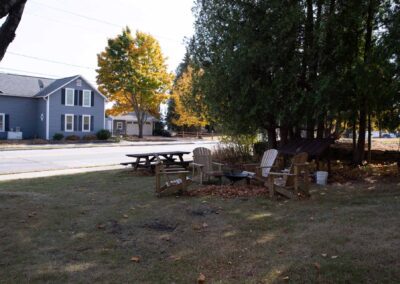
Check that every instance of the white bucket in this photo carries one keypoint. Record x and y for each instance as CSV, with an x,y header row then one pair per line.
x,y
322,177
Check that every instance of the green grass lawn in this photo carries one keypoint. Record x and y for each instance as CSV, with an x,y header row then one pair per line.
x,y
86,228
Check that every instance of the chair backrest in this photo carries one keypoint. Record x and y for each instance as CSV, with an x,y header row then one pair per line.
x,y
202,156
300,158
268,161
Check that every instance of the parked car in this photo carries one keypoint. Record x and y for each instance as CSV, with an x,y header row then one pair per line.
x,y
388,135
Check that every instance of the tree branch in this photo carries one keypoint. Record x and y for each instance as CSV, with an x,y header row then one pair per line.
x,y
7,30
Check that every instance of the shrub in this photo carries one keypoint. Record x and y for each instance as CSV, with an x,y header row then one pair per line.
x,y
72,138
58,136
235,150
89,137
162,132
103,134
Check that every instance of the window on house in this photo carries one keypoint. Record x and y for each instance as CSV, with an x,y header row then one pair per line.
x,y
2,122
120,126
69,97
79,83
87,97
86,123
69,122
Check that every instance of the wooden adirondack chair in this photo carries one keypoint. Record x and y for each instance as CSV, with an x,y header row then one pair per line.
x,y
171,186
202,161
263,169
287,183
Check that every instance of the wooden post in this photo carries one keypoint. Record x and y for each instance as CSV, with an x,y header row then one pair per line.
x,y
296,181
306,180
271,186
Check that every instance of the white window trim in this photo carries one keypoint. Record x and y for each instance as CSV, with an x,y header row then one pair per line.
x,y
122,125
90,98
73,97
83,122
3,129
65,123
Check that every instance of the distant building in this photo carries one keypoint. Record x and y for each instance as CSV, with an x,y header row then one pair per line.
x,y
36,107
127,124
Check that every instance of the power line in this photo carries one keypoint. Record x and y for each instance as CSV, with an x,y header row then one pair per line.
x,y
98,20
79,15
93,30
34,73
49,76
50,60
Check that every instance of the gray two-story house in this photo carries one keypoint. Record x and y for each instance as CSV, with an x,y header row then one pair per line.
x,y
38,107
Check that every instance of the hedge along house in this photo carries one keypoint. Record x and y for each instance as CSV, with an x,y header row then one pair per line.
x,y
38,107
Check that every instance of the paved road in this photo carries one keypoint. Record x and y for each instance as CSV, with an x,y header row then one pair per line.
x,y
24,161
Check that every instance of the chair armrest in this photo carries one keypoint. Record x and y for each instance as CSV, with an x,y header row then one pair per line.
x,y
301,164
174,173
266,167
280,174
251,165
196,165
218,164
174,169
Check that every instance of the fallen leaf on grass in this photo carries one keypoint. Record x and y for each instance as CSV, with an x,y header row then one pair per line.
x,y
125,216
30,215
101,226
205,225
286,278
135,259
317,266
196,227
174,257
324,254
334,256
201,279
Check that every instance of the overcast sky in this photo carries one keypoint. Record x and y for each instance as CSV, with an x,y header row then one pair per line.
x,y
57,30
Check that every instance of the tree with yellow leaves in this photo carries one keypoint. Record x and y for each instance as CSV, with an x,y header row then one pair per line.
x,y
132,73
189,108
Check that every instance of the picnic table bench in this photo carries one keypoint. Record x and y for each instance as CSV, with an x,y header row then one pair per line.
x,y
149,160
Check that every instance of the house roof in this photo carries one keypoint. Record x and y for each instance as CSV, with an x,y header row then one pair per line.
x,y
57,84
131,116
34,87
21,85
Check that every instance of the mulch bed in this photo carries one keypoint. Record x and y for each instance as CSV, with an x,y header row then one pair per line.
x,y
230,191
342,173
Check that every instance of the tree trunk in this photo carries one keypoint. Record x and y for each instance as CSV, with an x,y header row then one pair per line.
x,y
359,157
271,131
360,152
369,137
297,132
291,132
354,134
284,132
15,10
140,120
140,129
310,128
321,127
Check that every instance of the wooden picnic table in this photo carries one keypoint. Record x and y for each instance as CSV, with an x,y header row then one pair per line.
x,y
147,160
